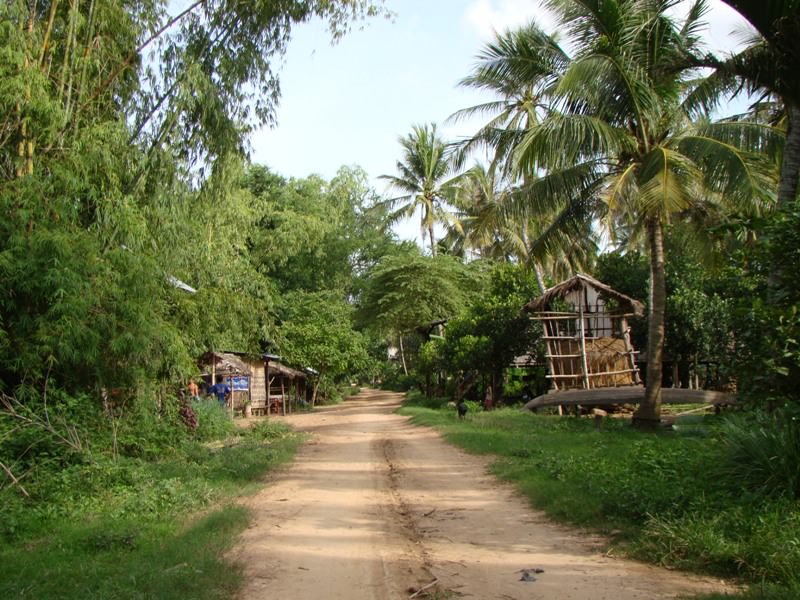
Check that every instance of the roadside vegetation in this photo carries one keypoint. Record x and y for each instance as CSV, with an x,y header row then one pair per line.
x,y
152,526
137,236
707,497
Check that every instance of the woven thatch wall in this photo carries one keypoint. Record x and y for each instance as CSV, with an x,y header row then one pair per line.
x,y
602,355
258,387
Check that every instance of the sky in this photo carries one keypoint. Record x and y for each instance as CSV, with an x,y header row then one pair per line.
x,y
347,104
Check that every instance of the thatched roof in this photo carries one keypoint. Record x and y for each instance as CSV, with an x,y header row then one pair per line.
x,y
284,371
227,362
580,281
240,363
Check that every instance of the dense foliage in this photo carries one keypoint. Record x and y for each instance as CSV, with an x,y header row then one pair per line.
x,y
136,237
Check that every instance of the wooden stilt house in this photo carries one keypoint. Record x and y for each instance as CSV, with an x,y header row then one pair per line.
x,y
586,333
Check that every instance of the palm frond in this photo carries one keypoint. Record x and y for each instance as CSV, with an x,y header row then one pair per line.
x,y
567,225
745,180
563,140
707,94
620,92
665,183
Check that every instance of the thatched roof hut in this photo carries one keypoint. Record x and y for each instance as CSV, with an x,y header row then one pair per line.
x,y
259,382
585,285
587,334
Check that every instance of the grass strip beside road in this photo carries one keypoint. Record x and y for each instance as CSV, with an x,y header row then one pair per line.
x,y
656,496
136,529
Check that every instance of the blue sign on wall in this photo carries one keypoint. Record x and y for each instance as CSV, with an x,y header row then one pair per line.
x,y
240,384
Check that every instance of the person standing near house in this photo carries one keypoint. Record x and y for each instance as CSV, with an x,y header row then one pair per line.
x,y
194,390
488,401
221,390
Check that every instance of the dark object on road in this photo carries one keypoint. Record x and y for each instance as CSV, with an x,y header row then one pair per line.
x,y
462,409
527,574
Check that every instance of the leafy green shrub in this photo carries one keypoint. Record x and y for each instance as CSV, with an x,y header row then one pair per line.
x,y
760,453
397,381
213,421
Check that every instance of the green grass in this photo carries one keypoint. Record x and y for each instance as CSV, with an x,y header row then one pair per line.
x,y
660,497
136,529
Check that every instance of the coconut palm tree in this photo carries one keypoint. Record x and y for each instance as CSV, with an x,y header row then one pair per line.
x,y
770,64
518,68
617,142
424,180
490,223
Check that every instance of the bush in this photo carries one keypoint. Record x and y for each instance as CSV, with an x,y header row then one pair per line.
x,y
266,431
397,381
213,422
760,453
758,542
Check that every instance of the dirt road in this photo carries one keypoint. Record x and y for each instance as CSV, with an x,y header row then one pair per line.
x,y
375,508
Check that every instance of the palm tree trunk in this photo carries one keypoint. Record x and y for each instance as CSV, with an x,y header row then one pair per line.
x,y
433,240
790,166
537,270
648,415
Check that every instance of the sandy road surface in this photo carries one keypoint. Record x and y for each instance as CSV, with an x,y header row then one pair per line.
x,y
375,508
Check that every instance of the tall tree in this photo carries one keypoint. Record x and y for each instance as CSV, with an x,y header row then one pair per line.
x,y
491,221
770,64
424,181
122,136
405,291
317,330
519,67
618,142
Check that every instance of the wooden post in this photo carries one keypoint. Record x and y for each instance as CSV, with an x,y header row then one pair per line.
x,y
551,347
266,381
626,336
583,350
283,398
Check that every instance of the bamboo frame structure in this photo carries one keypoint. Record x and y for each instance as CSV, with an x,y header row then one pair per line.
x,y
587,335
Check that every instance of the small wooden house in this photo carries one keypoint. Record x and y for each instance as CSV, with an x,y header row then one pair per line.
x,y
259,384
286,387
587,335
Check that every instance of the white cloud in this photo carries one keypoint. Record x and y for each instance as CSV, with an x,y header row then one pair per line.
x,y
485,17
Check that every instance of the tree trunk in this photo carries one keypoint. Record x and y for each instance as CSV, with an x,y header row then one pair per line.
x,y
648,415
313,393
537,270
790,165
497,387
403,356
433,240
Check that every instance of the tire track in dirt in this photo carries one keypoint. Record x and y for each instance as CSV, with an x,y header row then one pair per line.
x,y
376,508
407,520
